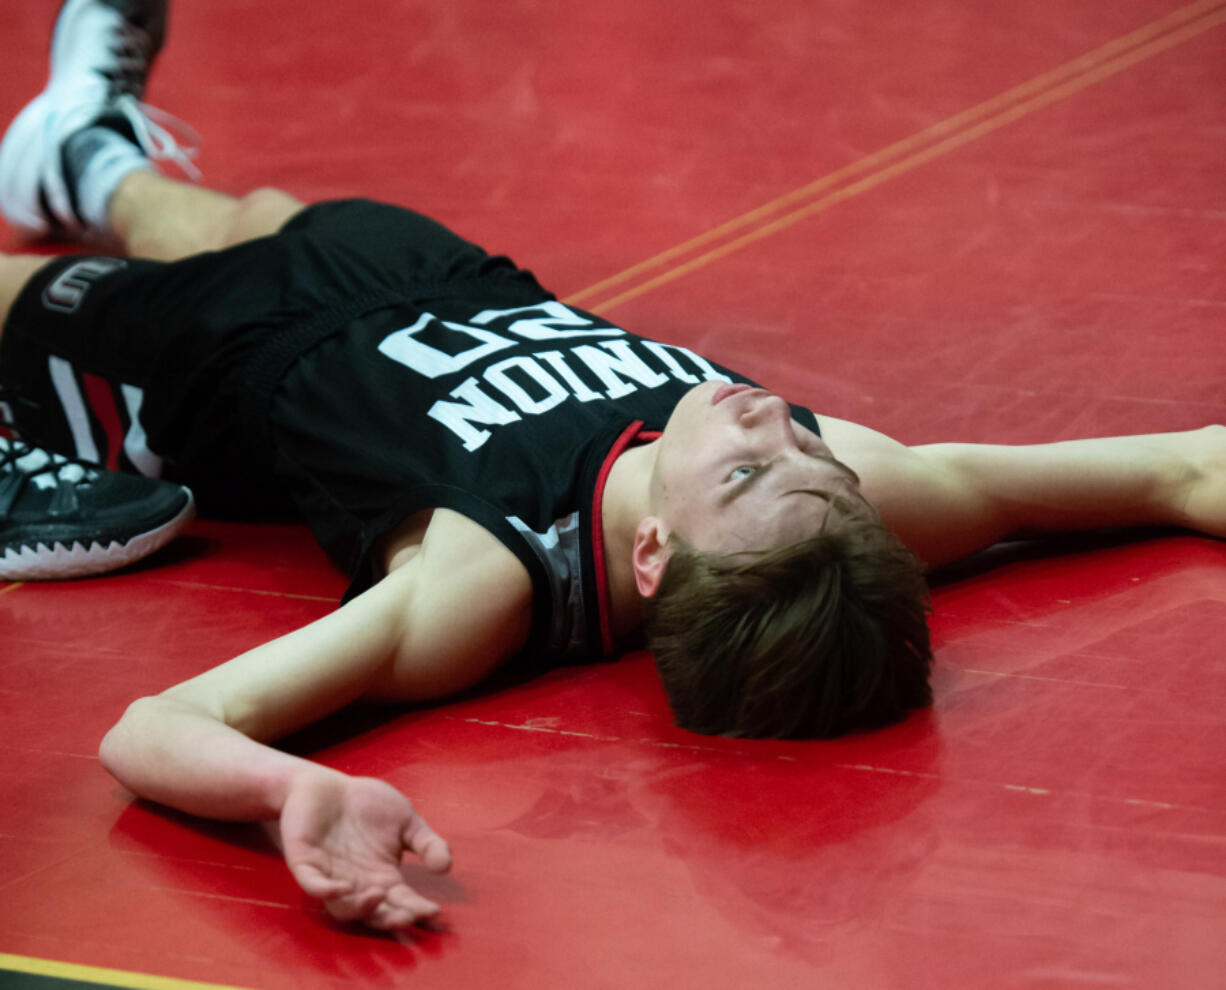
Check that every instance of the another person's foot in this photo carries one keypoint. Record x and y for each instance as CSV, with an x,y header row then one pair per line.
x,y
63,155
61,518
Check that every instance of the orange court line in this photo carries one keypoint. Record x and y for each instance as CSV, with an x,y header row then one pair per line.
x,y
920,148
94,974
329,599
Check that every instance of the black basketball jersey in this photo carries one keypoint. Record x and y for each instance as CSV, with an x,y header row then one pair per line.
x,y
504,406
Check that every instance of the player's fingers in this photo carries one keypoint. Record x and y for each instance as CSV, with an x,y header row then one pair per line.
x,y
388,919
314,881
428,844
402,907
408,899
356,906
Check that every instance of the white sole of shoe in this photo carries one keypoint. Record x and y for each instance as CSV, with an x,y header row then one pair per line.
x,y
61,562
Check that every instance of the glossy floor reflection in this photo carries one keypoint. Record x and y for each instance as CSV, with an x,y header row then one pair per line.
x,y
976,222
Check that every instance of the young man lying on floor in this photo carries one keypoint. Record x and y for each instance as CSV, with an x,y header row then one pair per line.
x,y
506,479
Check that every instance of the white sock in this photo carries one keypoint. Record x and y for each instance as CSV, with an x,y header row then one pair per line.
x,y
95,160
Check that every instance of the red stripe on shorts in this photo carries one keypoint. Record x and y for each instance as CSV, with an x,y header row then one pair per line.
x,y
101,398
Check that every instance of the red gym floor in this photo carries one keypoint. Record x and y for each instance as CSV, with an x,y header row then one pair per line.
x,y
969,221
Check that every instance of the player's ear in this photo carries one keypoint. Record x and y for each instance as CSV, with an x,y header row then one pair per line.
x,y
650,554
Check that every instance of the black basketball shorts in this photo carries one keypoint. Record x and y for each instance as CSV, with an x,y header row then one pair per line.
x,y
161,367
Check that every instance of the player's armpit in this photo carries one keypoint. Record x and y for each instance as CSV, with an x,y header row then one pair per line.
x,y
471,610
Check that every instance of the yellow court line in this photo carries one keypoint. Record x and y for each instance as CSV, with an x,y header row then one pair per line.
x,y
11,587
94,974
1000,110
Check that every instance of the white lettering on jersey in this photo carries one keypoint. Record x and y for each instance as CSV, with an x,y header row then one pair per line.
x,y
477,407
404,347
498,376
533,383
670,362
577,387
606,366
708,371
545,327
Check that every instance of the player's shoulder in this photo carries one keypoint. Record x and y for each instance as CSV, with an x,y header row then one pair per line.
x,y
451,550
450,538
865,450
462,604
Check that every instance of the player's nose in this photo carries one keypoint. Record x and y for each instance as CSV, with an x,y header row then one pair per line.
x,y
772,414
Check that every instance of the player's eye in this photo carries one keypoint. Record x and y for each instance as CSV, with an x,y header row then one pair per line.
x,y
744,471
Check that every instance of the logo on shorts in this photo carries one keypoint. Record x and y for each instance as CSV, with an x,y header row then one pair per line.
x,y
67,291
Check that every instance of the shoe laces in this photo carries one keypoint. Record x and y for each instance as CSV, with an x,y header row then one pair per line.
x,y
92,91
131,48
162,137
20,458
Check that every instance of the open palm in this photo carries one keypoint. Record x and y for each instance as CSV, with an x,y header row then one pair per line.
x,y
343,839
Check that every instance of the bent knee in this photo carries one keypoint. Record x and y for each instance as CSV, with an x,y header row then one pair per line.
x,y
259,213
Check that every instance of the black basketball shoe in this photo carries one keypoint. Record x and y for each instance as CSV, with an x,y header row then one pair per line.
x,y
63,518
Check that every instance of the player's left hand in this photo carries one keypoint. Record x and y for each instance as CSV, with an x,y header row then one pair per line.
x,y
344,837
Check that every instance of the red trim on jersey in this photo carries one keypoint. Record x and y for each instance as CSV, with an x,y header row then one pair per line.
x,y
604,606
102,402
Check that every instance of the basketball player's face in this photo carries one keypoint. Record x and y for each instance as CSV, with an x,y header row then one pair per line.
x,y
736,472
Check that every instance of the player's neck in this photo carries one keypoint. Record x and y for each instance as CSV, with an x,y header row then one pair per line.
x,y
625,502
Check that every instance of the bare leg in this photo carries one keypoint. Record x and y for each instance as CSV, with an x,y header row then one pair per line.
x,y
160,218
15,271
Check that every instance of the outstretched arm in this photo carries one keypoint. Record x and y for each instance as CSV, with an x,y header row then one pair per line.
x,y
949,500
202,747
